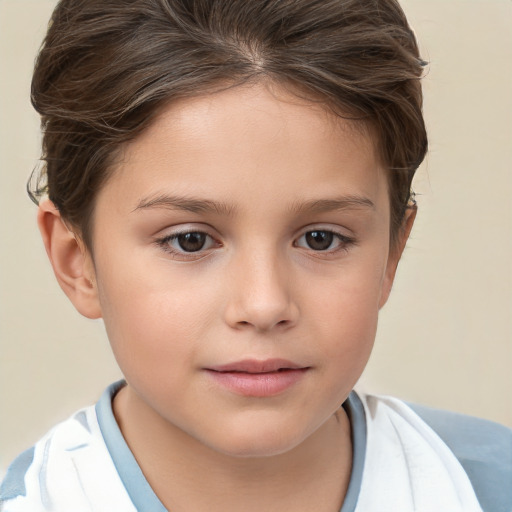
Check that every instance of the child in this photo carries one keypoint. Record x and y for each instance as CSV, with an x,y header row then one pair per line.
x,y
229,189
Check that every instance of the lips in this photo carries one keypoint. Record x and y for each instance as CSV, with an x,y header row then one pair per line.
x,y
258,378
255,366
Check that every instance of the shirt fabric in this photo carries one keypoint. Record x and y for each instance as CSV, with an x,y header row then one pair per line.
x,y
405,458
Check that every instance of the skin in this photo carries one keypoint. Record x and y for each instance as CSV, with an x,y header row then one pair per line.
x,y
256,169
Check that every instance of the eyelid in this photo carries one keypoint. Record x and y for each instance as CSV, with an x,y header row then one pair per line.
x,y
162,241
345,239
184,228
340,231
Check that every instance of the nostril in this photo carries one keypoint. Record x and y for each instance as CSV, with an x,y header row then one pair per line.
x,y
244,323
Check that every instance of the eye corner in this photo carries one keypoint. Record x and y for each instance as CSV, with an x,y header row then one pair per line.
x,y
324,241
187,244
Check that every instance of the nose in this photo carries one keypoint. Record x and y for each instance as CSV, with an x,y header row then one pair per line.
x,y
261,294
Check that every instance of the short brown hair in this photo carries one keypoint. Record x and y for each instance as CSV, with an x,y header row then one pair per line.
x,y
106,67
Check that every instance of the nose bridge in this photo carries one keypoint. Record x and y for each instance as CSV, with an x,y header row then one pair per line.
x,y
261,292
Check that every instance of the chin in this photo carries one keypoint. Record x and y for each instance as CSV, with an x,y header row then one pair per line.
x,y
257,449
256,443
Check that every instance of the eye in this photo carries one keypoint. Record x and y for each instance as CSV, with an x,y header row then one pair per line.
x,y
187,242
323,240
191,242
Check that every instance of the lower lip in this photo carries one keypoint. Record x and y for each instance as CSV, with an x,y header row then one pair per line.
x,y
258,384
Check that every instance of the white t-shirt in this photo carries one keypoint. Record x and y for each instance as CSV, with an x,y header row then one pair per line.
x,y
400,464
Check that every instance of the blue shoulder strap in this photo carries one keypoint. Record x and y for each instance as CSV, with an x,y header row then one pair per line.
x,y
483,448
14,483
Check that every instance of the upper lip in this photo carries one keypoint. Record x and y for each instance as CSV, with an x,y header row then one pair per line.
x,y
257,366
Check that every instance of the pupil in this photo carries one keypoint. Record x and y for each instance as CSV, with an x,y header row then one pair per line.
x,y
191,242
319,240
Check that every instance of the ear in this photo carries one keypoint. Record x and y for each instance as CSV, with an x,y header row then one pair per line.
x,y
395,253
71,261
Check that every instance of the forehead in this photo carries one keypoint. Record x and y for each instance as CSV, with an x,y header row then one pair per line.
x,y
246,141
266,108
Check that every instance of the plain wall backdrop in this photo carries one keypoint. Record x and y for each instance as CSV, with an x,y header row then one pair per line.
x,y
445,337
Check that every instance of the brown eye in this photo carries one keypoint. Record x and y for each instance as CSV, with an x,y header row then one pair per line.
x,y
325,240
188,245
319,240
191,242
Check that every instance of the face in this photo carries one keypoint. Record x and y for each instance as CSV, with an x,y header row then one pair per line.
x,y
241,255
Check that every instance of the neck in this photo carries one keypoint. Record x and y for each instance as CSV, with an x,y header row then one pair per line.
x,y
188,475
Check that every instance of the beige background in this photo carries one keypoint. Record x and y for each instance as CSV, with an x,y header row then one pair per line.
x,y
445,337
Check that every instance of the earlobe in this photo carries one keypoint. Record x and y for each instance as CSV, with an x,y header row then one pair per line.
x,y
396,253
71,262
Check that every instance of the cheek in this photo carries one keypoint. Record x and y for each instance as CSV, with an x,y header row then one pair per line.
x,y
346,310
154,320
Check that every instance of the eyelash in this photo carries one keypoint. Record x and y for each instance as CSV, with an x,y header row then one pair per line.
x,y
164,244
345,242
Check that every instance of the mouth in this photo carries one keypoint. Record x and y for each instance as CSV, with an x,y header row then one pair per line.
x,y
256,366
256,378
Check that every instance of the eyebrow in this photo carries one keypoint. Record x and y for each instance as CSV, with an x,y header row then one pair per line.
x,y
198,205
189,204
351,202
